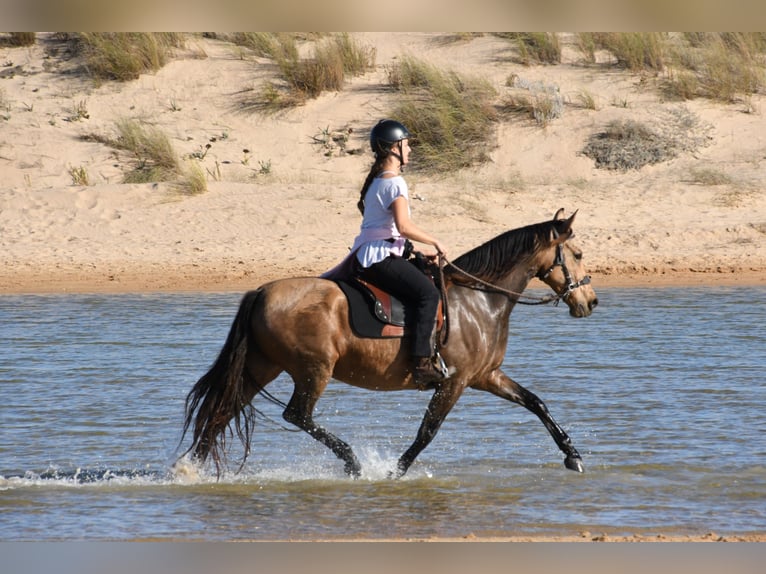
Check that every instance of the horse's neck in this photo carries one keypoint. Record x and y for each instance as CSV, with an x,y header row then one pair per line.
x,y
516,280
503,299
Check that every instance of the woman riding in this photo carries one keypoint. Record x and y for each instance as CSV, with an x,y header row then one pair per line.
x,y
380,245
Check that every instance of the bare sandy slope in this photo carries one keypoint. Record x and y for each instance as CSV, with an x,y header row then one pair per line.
x,y
286,206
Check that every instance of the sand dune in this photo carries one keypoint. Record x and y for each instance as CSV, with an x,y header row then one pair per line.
x,y
287,205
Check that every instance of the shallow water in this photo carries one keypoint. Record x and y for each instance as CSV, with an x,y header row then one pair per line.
x,y
660,390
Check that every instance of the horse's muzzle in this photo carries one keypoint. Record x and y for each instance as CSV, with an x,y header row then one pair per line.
x,y
580,310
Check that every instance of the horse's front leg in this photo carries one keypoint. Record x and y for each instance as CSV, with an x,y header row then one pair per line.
x,y
299,412
441,404
498,383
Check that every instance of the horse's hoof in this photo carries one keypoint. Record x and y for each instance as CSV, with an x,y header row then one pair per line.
x,y
354,470
574,463
397,473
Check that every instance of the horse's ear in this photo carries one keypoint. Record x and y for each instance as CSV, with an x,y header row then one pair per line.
x,y
563,231
571,220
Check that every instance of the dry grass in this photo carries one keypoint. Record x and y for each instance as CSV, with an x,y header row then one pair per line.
x,y
632,50
124,56
535,47
586,99
724,67
79,176
152,157
450,116
16,39
267,44
334,60
5,105
536,100
191,180
708,176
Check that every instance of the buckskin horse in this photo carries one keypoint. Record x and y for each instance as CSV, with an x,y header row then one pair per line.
x,y
301,326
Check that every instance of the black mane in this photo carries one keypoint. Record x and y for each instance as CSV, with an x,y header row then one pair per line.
x,y
494,260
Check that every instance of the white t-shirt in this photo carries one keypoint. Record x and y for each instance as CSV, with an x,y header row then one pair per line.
x,y
378,221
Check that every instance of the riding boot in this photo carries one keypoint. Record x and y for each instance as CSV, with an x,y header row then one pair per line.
x,y
425,373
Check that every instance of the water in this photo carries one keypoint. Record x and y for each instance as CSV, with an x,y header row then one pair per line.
x,y
661,391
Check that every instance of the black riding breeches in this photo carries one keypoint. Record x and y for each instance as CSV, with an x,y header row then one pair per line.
x,y
409,284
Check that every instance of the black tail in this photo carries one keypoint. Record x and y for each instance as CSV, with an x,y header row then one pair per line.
x,y
219,396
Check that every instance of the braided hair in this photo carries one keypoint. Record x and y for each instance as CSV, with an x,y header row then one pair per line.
x,y
375,170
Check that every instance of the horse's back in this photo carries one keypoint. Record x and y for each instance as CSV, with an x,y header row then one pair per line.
x,y
301,295
304,321
300,306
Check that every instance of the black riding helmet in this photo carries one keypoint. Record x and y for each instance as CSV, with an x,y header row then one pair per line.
x,y
385,134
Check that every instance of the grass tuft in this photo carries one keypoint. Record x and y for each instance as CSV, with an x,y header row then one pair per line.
x,y
79,176
632,50
450,116
5,105
334,60
535,47
722,67
17,39
191,180
709,177
124,56
154,156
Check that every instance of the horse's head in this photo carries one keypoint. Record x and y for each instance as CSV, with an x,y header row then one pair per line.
x,y
562,269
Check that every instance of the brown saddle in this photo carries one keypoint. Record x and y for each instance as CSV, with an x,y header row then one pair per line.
x,y
374,313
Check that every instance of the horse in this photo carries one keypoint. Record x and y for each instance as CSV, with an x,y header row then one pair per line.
x,y
300,325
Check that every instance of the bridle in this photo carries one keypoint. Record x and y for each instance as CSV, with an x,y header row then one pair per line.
x,y
560,261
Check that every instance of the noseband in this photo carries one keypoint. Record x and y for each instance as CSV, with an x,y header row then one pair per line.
x,y
559,261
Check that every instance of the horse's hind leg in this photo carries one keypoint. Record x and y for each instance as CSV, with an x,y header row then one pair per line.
x,y
498,383
300,411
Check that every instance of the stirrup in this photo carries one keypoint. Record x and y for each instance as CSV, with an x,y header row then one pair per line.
x,y
441,365
433,371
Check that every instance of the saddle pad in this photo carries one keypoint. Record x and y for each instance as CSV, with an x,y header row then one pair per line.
x,y
362,316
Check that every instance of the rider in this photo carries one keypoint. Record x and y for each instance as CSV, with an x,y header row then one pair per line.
x,y
386,225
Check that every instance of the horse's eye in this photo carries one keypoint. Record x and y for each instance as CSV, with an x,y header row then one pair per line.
x,y
578,255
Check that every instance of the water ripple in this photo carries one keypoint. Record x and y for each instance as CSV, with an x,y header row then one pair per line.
x,y
660,390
